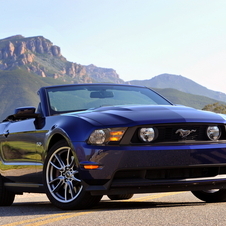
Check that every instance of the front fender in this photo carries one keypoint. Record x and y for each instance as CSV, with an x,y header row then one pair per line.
x,y
72,129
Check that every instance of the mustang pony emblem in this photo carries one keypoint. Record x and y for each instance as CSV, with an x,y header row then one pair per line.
x,y
185,133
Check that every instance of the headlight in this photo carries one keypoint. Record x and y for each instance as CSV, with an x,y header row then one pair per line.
x,y
97,137
213,132
147,134
103,136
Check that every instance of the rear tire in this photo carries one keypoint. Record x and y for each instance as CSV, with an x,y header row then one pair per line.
x,y
62,180
213,195
120,197
6,196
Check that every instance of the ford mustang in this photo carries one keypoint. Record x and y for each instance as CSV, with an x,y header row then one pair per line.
x,y
84,141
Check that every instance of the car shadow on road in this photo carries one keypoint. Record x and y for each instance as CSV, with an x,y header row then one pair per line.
x,y
111,205
46,208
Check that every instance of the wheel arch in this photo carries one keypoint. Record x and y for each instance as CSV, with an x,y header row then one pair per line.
x,y
56,134
54,139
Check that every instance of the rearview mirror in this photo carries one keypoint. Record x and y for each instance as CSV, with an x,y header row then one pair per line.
x,y
101,94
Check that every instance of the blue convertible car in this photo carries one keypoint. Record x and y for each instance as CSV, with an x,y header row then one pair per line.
x,y
84,141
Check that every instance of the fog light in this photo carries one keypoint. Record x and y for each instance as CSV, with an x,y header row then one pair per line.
x,y
147,134
213,132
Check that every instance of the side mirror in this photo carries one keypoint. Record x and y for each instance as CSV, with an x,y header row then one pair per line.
x,y
22,113
25,113
25,110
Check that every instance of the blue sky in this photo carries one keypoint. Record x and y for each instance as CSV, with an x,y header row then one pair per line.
x,y
140,39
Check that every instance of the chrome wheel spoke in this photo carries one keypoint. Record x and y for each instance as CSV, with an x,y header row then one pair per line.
x,y
65,192
68,156
72,163
69,191
58,168
58,186
60,178
76,179
60,161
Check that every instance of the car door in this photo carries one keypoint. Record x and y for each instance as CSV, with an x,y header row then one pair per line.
x,y
18,150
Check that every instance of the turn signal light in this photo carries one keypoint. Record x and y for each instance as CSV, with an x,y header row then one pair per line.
x,y
116,135
91,167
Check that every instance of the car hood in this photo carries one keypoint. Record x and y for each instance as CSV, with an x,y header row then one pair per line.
x,y
135,115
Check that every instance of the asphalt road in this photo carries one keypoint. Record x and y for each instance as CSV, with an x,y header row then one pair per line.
x,y
180,208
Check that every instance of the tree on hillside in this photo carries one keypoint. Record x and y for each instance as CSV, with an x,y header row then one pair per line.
x,y
216,107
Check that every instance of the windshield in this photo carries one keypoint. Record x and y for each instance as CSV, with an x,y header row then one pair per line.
x,y
71,98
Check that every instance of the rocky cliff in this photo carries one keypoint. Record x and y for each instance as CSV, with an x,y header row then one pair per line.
x,y
100,74
38,55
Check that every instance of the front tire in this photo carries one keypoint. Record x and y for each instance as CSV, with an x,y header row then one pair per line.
x,y
6,197
62,181
213,195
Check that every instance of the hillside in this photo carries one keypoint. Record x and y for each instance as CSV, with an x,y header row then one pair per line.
x,y
180,83
191,100
19,88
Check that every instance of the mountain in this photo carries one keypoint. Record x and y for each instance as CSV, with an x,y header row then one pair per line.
x,y
180,83
39,56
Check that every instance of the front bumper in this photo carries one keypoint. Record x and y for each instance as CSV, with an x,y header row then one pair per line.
x,y
142,169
